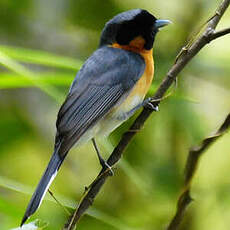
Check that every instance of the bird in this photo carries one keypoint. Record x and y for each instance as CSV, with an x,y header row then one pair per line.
x,y
109,88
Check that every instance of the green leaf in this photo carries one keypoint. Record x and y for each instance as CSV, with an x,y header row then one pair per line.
x,y
12,80
29,76
40,57
110,220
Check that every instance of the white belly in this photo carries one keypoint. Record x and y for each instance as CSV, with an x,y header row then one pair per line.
x,y
117,117
110,122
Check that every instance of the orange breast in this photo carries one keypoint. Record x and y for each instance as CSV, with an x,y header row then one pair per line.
x,y
142,86
136,96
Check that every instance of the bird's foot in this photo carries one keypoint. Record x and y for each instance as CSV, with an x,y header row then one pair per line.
x,y
148,103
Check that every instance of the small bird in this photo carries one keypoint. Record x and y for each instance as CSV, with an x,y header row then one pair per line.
x,y
108,89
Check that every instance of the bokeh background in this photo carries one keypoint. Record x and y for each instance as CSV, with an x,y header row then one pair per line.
x,y
42,45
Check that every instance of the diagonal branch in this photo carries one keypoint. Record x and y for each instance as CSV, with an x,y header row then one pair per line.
x,y
197,151
171,76
191,165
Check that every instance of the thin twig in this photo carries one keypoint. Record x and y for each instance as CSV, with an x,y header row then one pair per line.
x,y
220,33
171,76
59,203
191,165
193,37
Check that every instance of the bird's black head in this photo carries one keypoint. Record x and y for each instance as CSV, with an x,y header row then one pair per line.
x,y
125,27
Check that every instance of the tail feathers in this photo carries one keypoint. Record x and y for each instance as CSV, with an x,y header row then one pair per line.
x,y
47,178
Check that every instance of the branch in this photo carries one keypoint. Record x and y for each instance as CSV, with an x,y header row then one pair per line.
x,y
191,165
220,33
171,76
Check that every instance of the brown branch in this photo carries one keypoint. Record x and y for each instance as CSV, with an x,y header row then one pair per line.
x,y
171,76
196,152
191,165
220,33
182,204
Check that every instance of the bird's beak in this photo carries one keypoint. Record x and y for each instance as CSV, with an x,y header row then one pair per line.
x,y
161,23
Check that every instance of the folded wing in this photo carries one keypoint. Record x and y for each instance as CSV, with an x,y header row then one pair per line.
x,y
105,79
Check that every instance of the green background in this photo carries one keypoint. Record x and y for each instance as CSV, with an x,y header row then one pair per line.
x,y
42,45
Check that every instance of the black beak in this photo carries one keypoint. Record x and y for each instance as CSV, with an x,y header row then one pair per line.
x,y
161,23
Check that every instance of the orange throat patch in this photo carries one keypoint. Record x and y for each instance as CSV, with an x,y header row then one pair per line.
x,y
137,45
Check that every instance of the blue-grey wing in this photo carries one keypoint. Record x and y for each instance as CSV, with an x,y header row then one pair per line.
x,y
106,78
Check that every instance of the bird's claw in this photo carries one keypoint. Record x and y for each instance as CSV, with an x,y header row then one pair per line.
x,y
107,167
148,104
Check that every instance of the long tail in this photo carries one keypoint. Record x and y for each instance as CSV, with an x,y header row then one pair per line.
x,y
45,182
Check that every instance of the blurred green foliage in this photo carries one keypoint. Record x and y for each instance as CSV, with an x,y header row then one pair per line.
x,y
42,46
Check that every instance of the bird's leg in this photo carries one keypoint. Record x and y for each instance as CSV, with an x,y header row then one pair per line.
x,y
103,163
105,166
